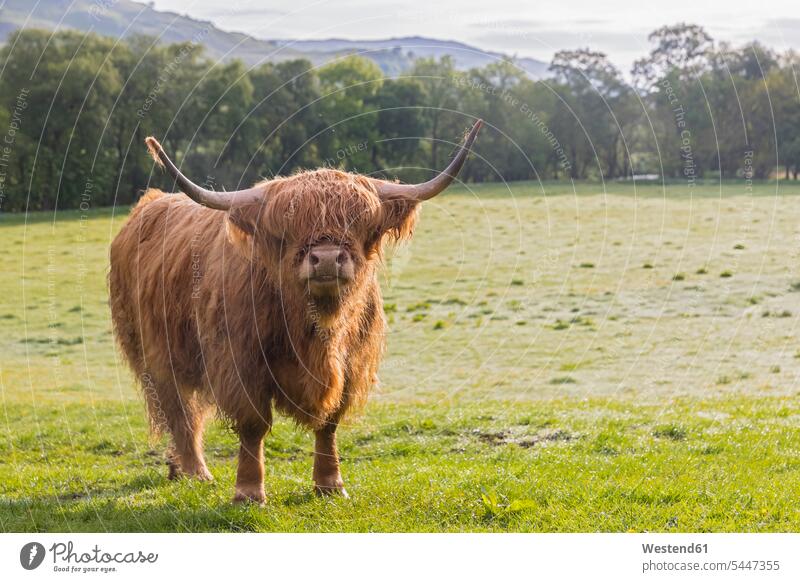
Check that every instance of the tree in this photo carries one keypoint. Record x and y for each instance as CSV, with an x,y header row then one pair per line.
x,y
441,93
67,87
401,123
78,106
682,47
669,80
349,87
595,98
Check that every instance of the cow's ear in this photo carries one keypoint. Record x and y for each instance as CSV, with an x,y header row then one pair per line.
x,y
398,218
245,217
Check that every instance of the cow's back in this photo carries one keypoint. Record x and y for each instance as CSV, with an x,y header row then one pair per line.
x,y
159,259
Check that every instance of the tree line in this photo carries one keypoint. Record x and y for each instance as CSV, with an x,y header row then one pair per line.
x,y
75,109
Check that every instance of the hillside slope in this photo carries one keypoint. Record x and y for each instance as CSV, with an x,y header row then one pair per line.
x,y
122,18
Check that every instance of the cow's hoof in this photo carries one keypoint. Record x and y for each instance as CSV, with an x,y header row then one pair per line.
x,y
174,471
325,490
249,495
202,475
198,471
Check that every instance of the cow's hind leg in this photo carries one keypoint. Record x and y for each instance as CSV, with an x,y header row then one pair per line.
x,y
327,477
186,424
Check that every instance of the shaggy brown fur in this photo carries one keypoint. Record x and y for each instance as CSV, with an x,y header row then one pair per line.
x,y
209,312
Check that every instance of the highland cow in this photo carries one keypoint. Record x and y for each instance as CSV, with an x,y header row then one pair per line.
x,y
267,297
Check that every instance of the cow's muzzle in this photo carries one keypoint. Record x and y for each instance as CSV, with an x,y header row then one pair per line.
x,y
327,268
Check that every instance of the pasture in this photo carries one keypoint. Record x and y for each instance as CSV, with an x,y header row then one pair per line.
x,y
603,358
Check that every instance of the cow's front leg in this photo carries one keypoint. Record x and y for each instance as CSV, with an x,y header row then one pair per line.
x,y
327,478
250,473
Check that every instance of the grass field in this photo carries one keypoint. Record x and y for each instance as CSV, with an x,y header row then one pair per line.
x,y
596,359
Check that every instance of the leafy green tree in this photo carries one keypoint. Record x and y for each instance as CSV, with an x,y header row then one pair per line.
x,y
78,106
442,95
681,48
401,124
284,120
68,86
669,79
348,107
594,98
225,95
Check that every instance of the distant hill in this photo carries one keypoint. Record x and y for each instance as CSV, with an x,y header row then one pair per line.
x,y
399,52
120,18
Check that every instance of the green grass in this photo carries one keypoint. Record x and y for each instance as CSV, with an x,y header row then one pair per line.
x,y
595,465
518,393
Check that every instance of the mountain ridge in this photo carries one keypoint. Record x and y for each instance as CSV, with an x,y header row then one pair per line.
x,y
123,18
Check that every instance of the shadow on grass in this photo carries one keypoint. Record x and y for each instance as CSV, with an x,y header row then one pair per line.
x,y
113,516
146,503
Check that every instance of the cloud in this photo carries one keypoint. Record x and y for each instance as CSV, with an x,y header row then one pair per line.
x,y
261,12
779,34
531,24
506,23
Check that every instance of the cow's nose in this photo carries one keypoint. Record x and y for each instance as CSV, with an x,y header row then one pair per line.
x,y
327,261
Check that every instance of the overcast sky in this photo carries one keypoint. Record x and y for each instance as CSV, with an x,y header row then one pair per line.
x,y
523,27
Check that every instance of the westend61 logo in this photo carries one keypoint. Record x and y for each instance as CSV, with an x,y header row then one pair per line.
x,y
67,559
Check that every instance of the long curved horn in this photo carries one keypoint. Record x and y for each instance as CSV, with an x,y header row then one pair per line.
x,y
209,198
429,189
